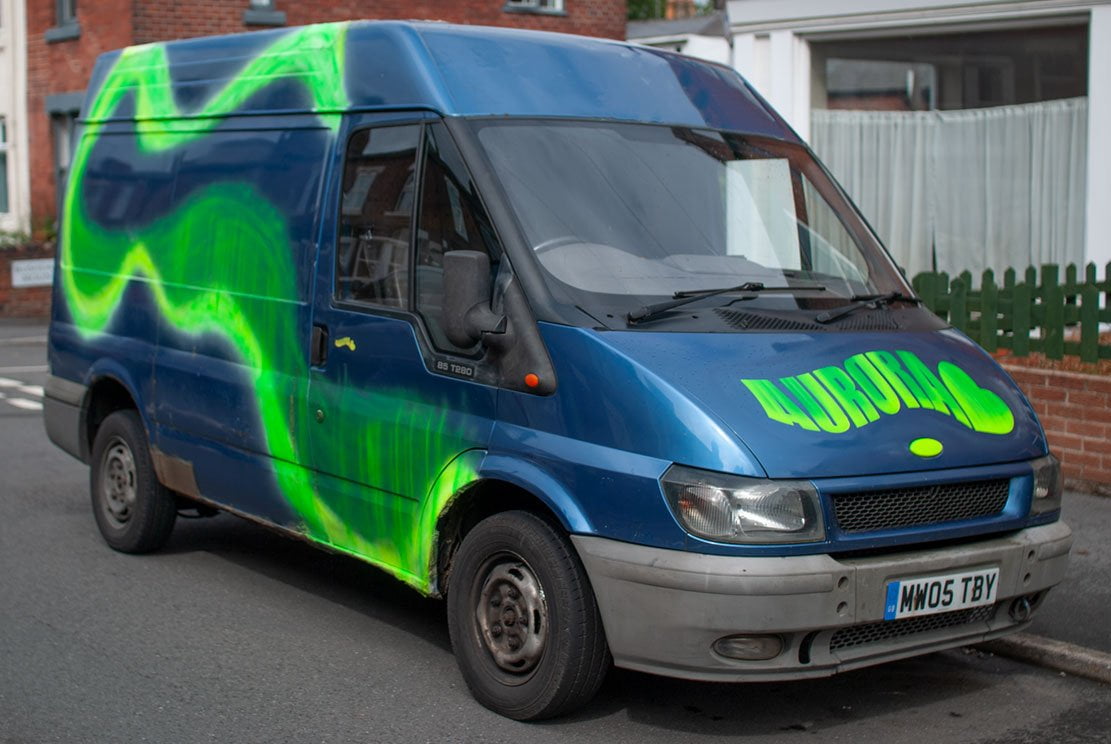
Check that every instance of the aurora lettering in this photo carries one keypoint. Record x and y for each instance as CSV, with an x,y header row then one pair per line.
x,y
216,266
872,384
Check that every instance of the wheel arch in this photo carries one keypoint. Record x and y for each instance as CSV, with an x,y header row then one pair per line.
x,y
504,484
107,394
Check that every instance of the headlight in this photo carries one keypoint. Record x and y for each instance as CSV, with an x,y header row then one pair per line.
x,y
1047,485
730,508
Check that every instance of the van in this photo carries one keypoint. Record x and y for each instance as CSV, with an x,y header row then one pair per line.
x,y
576,335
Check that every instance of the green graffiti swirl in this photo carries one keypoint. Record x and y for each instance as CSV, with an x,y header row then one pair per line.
x,y
211,268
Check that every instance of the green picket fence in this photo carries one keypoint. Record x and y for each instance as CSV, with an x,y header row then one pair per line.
x,y
1026,313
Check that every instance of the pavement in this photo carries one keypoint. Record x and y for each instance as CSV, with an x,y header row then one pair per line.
x,y
1070,633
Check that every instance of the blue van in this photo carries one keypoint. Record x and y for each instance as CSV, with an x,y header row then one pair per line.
x,y
575,334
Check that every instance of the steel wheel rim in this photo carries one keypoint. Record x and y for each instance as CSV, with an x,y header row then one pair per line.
x,y
512,615
117,482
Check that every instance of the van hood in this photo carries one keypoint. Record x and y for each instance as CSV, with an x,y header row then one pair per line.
x,y
847,404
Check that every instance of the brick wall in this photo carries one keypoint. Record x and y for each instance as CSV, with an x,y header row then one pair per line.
x,y
24,302
161,19
1075,410
586,17
64,66
158,20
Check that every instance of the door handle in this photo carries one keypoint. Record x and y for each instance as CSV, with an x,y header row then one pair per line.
x,y
318,351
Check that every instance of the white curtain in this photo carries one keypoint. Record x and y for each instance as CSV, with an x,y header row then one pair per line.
x,y
982,188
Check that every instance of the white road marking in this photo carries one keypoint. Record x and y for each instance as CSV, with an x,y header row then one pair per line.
x,y
27,405
33,368
23,387
20,340
16,402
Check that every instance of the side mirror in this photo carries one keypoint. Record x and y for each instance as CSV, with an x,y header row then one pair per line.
x,y
467,316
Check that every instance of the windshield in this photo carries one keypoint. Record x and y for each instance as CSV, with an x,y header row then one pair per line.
x,y
619,215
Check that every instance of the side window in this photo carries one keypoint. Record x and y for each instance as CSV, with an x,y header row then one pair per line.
x,y
452,219
376,216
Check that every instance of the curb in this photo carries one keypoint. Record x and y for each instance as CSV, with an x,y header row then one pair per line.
x,y
1058,655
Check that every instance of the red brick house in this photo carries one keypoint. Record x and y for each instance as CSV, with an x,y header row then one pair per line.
x,y
65,36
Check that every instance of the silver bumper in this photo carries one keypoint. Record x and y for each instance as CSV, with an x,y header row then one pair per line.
x,y
663,609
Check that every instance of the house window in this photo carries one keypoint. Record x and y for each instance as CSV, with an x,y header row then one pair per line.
x,y
3,166
263,13
67,12
537,6
965,150
62,125
65,26
949,72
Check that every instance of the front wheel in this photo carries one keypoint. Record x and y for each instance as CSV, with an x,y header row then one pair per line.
x,y
524,624
135,513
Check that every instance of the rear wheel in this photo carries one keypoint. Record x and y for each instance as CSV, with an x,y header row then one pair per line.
x,y
135,513
524,623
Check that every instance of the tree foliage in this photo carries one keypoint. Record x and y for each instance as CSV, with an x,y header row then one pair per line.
x,y
643,10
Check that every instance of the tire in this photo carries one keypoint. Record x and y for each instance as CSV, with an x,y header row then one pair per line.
x,y
135,513
511,566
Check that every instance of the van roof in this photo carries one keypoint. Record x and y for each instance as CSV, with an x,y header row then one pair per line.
x,y
454,70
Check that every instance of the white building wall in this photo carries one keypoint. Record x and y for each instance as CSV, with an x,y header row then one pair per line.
x,y
771,49
13,107
777,65
710,48
1098,214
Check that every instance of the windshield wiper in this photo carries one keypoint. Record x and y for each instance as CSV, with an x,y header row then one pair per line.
x,y
871,301
649,312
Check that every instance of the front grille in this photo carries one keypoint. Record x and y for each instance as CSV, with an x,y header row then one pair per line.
x,y
860,635
918,506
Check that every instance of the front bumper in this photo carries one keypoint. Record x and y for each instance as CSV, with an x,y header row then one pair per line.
x,y
663,609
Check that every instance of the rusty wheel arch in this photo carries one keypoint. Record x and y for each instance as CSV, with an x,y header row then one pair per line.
x,y
477,502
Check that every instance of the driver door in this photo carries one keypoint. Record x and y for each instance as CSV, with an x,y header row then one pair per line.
x,y
385,425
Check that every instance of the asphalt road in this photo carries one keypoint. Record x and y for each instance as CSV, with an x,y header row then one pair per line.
x,y
235,634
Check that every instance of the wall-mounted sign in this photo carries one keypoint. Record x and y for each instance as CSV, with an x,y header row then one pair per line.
x,y
33,272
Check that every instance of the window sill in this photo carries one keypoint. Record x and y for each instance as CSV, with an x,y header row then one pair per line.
x,y
534,11
255,17
64,32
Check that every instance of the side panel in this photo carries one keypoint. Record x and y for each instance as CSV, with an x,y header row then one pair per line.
x,y
220,233
89,339
187,254
242,255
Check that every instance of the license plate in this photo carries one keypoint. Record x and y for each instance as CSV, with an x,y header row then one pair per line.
x,y
933,594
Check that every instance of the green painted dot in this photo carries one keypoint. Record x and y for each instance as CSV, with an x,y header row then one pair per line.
x,y
926,447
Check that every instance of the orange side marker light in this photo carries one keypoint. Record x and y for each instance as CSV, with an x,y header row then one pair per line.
x,y
532,380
